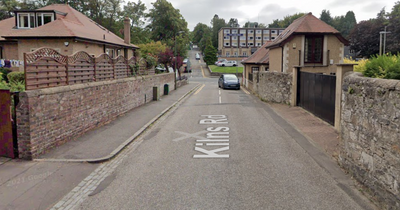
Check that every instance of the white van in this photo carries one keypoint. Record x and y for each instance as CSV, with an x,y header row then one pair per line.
x,y
197,56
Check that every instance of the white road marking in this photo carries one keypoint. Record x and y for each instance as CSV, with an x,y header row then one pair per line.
x,y
217,144
220,101
189,135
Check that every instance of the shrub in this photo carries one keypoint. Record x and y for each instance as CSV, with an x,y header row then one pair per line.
x,y
4,72
18,86
15,77
360,67
385,67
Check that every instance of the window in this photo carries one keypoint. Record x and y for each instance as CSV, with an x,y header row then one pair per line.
x,y
258,31
235,53
244,53
251,32
266,31
228,54
258,44
227,44
243,31
251,38
44,18
253,69
234,44
313,49
226,31
273,32
110,52
272,38
242,44
226,37
234,31
234,37
250,44
258,38
26,20
266,37
243,38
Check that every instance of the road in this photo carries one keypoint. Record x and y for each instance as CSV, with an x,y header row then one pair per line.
x,y
220,149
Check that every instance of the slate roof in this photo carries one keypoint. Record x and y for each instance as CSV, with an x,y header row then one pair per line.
x,y
72,25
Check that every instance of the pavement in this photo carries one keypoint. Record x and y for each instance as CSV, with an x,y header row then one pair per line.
x,y
105,143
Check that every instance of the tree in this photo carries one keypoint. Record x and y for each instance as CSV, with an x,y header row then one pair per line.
x,y
136,13
199,31
177,63
165,21
364,37
393,39
210,53
286,21
216,23
326,17
166,57
233,23
153,48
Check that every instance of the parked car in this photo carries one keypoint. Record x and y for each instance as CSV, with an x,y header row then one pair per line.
x,y
229,81
185,61
227,63
219,61
197,56
161,68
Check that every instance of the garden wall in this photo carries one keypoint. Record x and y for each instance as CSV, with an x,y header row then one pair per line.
x,y
370,136
50,117
273,86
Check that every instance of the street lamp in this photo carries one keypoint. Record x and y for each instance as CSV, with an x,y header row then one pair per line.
x,y
384,41
176,56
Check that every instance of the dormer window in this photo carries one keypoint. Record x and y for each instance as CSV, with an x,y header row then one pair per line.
x,y
44,18
26,20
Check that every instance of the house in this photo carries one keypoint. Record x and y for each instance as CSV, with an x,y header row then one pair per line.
x,y
62,28
308,43
243,42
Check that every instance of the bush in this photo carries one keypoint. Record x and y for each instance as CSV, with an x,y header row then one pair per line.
x,y
16,77
360,67
4,72
385,67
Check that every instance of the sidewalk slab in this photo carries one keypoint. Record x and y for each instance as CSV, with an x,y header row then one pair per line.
x,y
101,142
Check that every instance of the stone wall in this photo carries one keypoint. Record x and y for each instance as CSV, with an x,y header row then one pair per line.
x,y
273,86
370,136
50,117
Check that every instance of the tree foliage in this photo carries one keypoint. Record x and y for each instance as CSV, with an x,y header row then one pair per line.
x,y
233,23
216,23
286,21
210,53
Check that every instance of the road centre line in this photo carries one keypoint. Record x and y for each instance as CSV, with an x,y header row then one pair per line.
x,y
199,89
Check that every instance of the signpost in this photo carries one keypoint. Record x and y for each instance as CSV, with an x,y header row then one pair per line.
x,y
237,54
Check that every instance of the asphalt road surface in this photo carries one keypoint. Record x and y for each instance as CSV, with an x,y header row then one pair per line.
x,y
221,149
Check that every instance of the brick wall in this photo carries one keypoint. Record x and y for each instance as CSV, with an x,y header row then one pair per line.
x,y
370,136
50,117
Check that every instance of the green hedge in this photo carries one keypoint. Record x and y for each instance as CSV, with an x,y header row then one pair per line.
x,y
384,66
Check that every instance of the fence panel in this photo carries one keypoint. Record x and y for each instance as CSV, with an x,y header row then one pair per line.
x,y
81,68
104,68
121,67
45,68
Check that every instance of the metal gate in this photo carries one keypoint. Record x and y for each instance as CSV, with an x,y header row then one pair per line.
x,y
8,141
316,93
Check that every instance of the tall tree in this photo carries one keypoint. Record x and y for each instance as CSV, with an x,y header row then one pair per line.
x,y
137,14
326,17
393,44
216,23
286,21
165,21
199,31
233,23
210,53
166,57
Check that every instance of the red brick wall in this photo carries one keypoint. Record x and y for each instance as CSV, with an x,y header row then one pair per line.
x,y
50,117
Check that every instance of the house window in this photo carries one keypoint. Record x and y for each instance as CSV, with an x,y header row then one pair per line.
x,y
258,37
244,53
243,38
250,44
235,53
313,49
273,32
272,38
266,37
242,44
258,44
266,31
253,69
226,31
44,18
227,44
258,31
226,37
251,31
228,54
234,37
234,44
26,20
234,31
243,31
110,52
251,38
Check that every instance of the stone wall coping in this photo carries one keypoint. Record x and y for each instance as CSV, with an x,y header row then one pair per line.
x,y
61,89
346,64
390,84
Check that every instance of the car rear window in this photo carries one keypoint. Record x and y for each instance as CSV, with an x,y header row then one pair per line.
x,y
230,77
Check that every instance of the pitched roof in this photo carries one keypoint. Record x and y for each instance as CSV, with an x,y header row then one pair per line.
x,y
261,56
72,25
6,27
307,24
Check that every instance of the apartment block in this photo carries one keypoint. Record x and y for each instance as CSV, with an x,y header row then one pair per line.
x,y
242,42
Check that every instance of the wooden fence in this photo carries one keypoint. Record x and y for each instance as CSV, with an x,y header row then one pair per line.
x,y
46,67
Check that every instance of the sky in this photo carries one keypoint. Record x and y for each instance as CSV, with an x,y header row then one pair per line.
x,y
265,11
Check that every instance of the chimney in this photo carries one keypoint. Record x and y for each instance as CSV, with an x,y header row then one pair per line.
x,y
127,30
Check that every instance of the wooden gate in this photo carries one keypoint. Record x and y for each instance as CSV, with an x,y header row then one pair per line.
x,y
6,130
317,93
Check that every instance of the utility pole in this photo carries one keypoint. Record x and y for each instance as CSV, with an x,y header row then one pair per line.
x,y
384,41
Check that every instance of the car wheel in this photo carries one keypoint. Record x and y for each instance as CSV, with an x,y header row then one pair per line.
x,y
222,65
234,64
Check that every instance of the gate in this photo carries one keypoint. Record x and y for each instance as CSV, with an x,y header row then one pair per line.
x,y
8,141
317,93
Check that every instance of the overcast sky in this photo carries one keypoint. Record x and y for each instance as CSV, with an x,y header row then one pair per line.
x,y
264,11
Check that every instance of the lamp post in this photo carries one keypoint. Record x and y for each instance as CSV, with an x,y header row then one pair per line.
x,y
384,41
176,57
